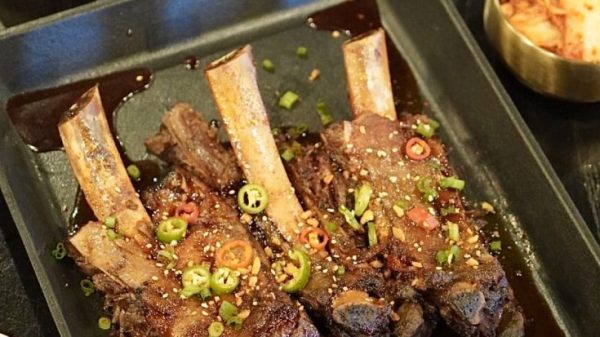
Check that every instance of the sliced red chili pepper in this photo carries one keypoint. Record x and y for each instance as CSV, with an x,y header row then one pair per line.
x,y
417,149
188,212
234,254
422,217
315,237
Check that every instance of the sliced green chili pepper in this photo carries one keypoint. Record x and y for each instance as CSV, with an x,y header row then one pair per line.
x,y
253,198
224,281
452,182
362,195
215,329
349,216
172,229
302,274
341,270
87,287
194,280
60,251
372,234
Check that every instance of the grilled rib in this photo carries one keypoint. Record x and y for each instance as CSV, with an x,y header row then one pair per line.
x,y
144,295
99,169
352,305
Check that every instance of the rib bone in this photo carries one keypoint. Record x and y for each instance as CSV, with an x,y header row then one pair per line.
x,y
99,169
232,80
369,84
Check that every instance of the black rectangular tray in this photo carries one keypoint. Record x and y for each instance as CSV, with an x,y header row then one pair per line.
x,y
490,145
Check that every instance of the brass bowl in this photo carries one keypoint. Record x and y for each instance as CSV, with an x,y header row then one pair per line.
x,y
539,69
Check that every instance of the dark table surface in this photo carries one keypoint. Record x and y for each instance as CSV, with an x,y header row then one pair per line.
x,y
568,133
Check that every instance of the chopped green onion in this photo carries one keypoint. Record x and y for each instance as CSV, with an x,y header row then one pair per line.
x,y
349,217
215,329
87,287
427,129
288,154
448,210
302,52
448,256
288,100
400,208
166,255
452,182
275,131
134,172
110,222
268,65
372,234
324,113
205,294
112,234
362,195
340,271
496,246
441,257
425,186
330,227
229,314
104,323
171,229
453,254
453,231
253,198
60,251
299,130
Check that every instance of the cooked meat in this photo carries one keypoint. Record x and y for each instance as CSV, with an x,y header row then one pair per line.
x,y
182,141
146,296
272,311
353,303
470,293
99,169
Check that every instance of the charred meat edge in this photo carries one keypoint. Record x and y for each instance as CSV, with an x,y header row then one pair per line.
x,y
187,142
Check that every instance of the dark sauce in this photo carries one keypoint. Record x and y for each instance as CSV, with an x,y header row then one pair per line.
x,y
36,115
356,17
191,62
